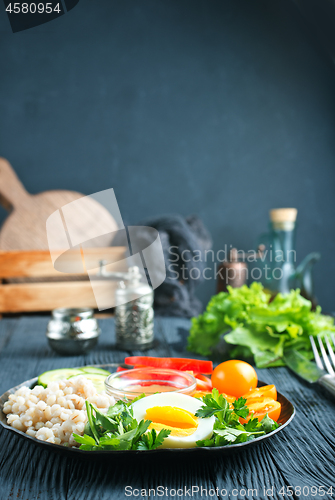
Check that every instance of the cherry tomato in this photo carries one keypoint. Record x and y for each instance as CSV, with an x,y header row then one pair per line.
x,y
267,391
234,377
259,407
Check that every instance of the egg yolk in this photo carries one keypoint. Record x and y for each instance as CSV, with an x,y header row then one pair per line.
x,y
180,422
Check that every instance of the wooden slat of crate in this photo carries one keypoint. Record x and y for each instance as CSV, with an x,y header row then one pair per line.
x,y
44,295
29,297
37,263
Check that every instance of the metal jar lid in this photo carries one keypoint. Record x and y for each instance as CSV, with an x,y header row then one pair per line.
x,y
73,330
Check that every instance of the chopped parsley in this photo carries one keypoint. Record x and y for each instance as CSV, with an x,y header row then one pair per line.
x,y
227,428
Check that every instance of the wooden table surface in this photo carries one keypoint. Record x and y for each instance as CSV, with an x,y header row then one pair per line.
x,y
301,457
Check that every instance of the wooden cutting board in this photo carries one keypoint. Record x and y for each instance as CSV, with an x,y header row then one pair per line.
x,y
25,227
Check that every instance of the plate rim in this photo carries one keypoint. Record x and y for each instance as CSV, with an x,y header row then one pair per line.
x,y
83,453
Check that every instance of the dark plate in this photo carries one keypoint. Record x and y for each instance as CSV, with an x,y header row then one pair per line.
x,y
286,416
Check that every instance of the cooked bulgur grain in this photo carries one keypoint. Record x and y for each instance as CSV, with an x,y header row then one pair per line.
x,y
54,413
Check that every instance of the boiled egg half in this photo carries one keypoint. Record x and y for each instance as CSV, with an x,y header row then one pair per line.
x,y
175,412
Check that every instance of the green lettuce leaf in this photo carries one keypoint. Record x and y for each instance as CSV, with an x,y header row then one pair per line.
x,y
254,325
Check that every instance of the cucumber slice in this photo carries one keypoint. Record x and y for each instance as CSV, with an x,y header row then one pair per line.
x,y
61,373
97,378
98,371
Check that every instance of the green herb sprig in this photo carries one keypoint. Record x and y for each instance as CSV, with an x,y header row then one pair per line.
x,y
227,428
118,430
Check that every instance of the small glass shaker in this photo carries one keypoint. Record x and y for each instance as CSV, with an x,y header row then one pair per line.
x,y
72,331
134,314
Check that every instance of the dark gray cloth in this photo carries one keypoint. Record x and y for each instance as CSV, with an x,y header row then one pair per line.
x,y
176,296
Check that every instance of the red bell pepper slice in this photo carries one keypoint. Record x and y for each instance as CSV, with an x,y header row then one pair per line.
x,y
183,364
203,383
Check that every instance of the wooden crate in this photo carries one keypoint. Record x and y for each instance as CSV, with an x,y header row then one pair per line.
x,y
49,289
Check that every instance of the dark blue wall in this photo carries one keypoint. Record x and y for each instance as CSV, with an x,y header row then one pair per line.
x,y
224,108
